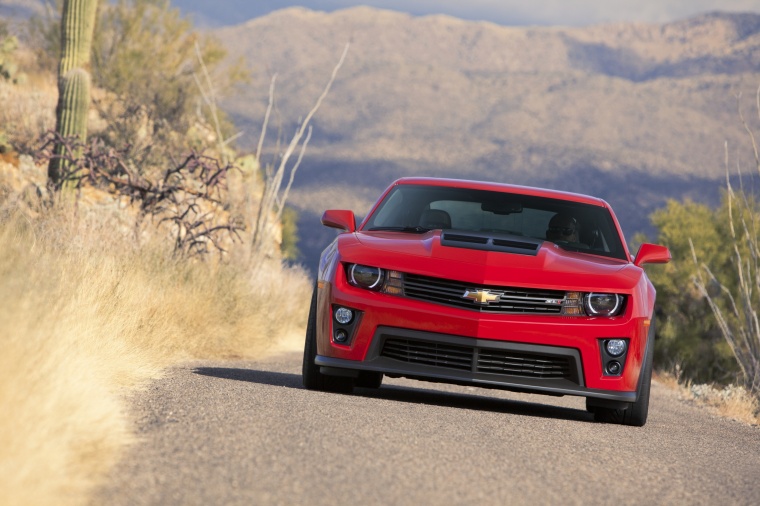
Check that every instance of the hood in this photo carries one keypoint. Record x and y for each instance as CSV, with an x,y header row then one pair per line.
x,y
532,264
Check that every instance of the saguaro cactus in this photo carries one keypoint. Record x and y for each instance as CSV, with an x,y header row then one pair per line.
x,y
77,26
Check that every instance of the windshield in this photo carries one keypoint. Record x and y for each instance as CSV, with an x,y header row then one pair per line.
x,y
571,225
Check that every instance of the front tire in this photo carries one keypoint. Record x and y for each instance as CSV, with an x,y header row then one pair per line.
x,y
636,413
313,379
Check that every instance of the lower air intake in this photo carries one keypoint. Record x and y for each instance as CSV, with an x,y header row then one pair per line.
x,y
479,359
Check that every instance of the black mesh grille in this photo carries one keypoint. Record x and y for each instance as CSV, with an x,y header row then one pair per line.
x,y
523,364
511,300
425,353
479,359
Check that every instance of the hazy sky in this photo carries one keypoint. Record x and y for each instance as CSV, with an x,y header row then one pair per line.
x,y
508,12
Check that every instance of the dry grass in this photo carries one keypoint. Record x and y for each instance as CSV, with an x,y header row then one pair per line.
x,y
27,111
732,401
85,318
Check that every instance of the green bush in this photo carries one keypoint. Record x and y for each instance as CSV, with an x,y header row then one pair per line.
x,y
289,222
688,334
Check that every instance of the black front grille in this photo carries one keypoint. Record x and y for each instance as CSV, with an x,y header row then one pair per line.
x,y
522,364
479,359
510,300
435,354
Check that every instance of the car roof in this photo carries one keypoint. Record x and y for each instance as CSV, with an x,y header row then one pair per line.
x,y
502,187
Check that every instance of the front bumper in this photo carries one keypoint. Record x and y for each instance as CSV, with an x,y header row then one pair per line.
x,y
450,359
445,344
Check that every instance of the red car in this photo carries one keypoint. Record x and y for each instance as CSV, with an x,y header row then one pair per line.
x,y
486,284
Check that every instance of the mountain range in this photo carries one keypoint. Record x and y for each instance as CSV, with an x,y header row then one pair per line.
x,y
633,113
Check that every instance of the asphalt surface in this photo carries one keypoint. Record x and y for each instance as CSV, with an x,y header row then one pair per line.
x,y
248,433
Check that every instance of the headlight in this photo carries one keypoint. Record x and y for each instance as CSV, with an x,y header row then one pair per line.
x,y
365,276
602,304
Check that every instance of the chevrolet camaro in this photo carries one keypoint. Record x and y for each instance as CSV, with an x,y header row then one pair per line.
x,y
490,285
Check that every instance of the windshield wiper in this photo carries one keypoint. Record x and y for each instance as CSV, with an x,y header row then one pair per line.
x,y
414,230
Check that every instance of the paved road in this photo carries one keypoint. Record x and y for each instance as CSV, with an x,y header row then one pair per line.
x,y
247,433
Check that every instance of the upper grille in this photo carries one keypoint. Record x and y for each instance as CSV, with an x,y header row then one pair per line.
x,y
479,359
511,300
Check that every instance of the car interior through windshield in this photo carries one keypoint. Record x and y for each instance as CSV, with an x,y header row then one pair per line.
x,y
571,225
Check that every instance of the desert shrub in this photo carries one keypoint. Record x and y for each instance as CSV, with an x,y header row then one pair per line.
x,y
733,295
688,335
8,46
289,245
717,255
145,55
145,63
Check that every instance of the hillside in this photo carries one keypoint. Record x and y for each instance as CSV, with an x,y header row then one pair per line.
x,y
619,110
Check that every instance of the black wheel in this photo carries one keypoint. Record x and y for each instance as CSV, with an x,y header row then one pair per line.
x,y
636,413
312,378
369,379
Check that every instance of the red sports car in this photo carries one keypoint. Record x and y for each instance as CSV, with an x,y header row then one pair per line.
x,y
486,284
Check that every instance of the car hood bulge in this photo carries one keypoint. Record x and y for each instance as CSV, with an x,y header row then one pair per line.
x,y
550,267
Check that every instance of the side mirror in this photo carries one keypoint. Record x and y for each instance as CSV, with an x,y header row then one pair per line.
x,y
342,220
652,254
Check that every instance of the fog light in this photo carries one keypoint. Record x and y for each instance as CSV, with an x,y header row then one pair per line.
x,y
613,368
344,315
340,336
616,347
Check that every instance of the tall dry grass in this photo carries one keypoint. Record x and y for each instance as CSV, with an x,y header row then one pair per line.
x,y
27,110
86,318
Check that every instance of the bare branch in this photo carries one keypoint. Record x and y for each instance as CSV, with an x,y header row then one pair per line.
x,y
293,175
270,104
273,196
209,97
178,197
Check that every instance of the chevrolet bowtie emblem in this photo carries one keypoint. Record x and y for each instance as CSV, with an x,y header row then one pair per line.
x,y
481,296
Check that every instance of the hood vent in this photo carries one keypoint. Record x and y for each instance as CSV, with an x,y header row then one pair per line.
x,y
470,239
504,243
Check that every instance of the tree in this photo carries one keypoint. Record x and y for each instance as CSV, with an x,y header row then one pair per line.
x,y
147,57
77,26
733,295
688,335
710,292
